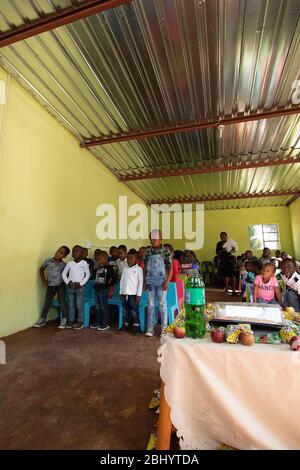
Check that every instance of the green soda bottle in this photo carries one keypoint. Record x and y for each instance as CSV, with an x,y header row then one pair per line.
x,y
195,323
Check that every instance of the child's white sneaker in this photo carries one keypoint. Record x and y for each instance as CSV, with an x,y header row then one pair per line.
x,y
149,333
39,323
103,327
63,324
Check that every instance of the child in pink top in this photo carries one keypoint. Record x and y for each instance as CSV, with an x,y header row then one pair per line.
x,y
266,287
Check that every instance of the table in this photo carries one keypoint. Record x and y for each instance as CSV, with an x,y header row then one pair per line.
x,y
245,397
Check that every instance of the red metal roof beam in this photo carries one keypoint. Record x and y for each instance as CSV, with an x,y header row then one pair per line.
x,y
55,20
225,197
177,128
212,169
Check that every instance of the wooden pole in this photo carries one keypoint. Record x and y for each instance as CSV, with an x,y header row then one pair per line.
x,y
164,422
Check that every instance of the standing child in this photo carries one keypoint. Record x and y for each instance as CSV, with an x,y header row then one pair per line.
x,y
104,282
122,260
141,256
158,272
291,279
89,261
53,281
266,287
113,258
131,287
76,274
176,268
95,264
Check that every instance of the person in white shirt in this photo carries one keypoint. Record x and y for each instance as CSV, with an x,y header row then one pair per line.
x,y
291,279
122,260
131,288
75,275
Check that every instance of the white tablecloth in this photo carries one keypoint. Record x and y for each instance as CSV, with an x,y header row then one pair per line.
x,y
245,397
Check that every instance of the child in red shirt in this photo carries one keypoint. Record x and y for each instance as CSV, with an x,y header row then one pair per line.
x,y
176,268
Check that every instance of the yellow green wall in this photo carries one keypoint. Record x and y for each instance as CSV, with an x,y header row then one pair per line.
x,y
295,223
49,191
235,222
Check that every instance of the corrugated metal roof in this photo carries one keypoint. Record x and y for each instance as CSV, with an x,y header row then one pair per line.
x,y
246,203
254,180
19,13
247,142
156,63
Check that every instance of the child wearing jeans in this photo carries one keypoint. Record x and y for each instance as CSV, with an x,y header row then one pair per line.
x,y
104,282
131,287
157,272
76,274
266,287
53,267
291,280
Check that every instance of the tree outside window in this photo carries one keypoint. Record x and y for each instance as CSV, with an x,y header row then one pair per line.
x,y
266,235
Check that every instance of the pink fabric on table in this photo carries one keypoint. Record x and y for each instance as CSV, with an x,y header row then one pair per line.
x,y
266,291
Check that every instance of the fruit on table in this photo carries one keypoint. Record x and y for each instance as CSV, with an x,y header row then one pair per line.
x,y
179,332
247,338
217,336
295,343
290,310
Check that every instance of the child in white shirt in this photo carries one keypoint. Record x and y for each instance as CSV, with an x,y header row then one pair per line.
x,y
76,274
131,287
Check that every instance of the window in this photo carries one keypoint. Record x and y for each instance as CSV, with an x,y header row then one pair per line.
x,y
262,236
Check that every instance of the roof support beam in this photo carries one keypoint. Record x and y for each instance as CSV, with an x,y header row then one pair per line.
x,y
211,169
293,199
225,197
87,8
189,127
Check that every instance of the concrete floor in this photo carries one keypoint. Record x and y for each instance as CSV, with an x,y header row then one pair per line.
x,y
66,389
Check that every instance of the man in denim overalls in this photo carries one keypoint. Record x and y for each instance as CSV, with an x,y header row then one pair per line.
x,y
158,272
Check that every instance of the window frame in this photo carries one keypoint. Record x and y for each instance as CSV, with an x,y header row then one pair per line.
x,y
263,233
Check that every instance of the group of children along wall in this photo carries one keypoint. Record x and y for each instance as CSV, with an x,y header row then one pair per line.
x,y
151,268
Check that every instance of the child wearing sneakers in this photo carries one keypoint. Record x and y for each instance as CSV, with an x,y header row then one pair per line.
x,y
76,274
131,288
158,272
104,282
53,267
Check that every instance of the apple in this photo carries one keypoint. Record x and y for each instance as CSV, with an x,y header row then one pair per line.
x,y
217,336
295,343
179,332
247,338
